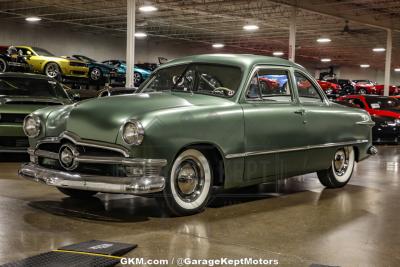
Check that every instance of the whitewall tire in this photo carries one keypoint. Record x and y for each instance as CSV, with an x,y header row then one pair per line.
x,y
341,169
188,187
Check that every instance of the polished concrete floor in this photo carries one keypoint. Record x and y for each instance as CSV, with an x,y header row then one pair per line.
x,y
297,222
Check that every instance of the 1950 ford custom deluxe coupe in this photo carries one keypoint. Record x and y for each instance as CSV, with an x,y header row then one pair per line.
x,y
199,122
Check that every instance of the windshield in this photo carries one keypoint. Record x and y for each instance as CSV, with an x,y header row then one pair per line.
x,y
212,79
42,52
383,103
84,58
16,86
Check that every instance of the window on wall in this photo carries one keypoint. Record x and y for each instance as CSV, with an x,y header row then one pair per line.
x,y
307,91
270,85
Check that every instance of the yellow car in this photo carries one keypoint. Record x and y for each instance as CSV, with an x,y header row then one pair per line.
x,y
42,61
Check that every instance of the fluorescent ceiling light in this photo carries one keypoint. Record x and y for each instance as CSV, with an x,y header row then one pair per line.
x,y
148,8
364,65
140,34
323,40
277,53
250,27
326,60
33,19
397,69
379,49
218,45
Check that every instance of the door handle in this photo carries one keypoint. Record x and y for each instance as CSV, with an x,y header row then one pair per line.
x,y
300,112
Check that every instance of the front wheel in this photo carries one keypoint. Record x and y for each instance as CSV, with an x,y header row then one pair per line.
x,y
363,91
188,187
137,78
52,70
95,74
3,65
341,169
76,193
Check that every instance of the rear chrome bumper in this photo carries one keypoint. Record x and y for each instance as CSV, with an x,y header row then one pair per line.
x,y
106,184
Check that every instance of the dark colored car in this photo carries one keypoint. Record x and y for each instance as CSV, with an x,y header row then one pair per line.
x,y
384,111
99,73
21,94
118,78
12,60
348,87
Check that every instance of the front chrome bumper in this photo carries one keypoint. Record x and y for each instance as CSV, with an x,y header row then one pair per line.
x,y
105,184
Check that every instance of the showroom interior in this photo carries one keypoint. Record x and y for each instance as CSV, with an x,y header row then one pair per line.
x,y
241,197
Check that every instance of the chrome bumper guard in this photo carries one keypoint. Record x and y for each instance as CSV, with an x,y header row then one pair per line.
x,y
106,184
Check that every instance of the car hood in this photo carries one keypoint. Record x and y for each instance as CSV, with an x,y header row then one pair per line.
x,y
101,119
26,105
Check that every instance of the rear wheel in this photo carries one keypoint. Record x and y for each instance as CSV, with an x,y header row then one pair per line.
x,y
137,78
76,193
188,187
3,65
363,91
341,169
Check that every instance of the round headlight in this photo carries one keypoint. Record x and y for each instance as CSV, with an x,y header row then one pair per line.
x,y
133,133
329,91
32,126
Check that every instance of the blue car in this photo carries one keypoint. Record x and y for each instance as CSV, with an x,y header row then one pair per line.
x,y
118,78
99,73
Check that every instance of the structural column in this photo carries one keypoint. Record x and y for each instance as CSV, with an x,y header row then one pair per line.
x,y
292,35
130,43
388,62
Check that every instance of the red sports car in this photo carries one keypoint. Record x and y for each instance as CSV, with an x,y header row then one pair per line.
x,y
368,87
385,112
329,88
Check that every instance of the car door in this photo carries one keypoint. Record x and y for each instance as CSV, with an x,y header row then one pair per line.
x,y
321,122
35,62
274,130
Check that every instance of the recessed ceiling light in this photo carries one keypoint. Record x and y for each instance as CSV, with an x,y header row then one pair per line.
x,y
397,69
278,53
250,27
326,60
33,19
218,45
148,8
379,49
364,65
323,40
140,34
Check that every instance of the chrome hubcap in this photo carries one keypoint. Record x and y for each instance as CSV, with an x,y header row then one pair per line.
x,y
341,161
189,178
95,74
52,70
137,78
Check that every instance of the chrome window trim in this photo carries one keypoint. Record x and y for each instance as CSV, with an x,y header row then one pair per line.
x,y
78,141
271,67
323,97
293,149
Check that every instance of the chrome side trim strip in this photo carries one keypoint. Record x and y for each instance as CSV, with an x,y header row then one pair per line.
x,y
266,152
78,141
370,123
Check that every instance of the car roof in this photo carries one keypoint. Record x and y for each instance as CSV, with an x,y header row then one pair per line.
x,y
24,75
239,60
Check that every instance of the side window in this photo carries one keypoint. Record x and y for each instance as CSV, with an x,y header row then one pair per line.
x,y
307,91
23,51
357,102
270,85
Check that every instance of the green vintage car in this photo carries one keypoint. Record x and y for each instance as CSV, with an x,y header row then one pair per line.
x,y
21,94
197,123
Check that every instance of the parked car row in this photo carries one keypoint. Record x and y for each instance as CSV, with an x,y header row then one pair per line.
x,y
339,87
75,69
